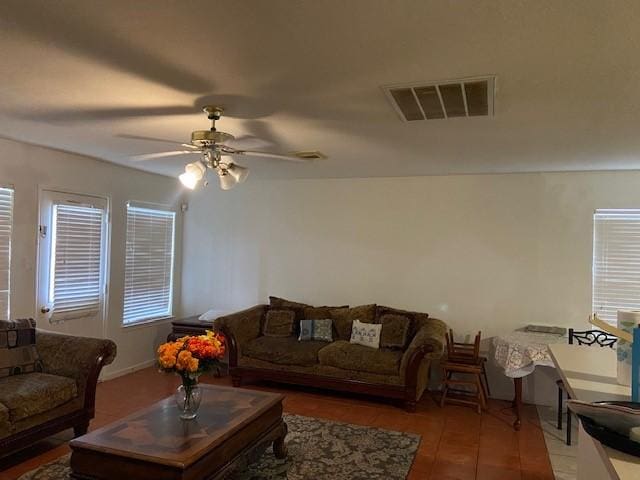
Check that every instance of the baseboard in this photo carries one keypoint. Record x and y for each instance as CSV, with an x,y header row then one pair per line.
x,y
123,371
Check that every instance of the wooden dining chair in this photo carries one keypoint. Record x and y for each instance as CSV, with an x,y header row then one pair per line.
x,y
588,338
464,359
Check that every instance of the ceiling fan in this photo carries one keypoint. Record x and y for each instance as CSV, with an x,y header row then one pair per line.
x,y
210,145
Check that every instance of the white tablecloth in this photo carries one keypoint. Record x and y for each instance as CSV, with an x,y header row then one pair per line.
x,y
518,353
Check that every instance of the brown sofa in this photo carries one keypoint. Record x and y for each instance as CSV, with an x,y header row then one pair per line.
x,y
36,405
401,373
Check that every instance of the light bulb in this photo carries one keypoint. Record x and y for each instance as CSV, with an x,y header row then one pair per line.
x,y
193,173
227,182
239,173
189,180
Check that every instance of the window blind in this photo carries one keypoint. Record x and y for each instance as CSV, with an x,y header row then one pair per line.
x,y
6,224
616,262
149,264
75,286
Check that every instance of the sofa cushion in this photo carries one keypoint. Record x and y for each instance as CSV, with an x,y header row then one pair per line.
x,y
278,303
18,352
32,393
417,319
321,330
319,313
367,334
343,318
348,356
395,331
283,350
278,323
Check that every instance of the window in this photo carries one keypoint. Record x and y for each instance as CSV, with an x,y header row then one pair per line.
x,y
148,283
72,260
6,223
616,262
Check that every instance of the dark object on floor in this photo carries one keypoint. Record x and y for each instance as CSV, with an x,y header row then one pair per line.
x,y
155,443
39,404
587,338
463,359
385,455
399,373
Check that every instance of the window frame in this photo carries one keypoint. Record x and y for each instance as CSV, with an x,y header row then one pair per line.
x,y
11,187
153,207
599,256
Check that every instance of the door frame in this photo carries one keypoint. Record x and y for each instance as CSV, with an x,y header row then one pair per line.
x,y
42,188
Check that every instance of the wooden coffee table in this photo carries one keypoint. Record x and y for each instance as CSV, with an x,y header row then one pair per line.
x,y
231,426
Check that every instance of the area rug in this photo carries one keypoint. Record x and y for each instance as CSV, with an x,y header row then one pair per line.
x,y
318,449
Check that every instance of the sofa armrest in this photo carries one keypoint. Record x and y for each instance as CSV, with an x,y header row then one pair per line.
x,y
80,358
428,343
239,328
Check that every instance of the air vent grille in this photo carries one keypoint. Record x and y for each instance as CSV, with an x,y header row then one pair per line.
x,y
309,155
470,97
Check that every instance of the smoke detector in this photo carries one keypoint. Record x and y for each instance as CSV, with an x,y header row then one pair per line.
x,y
467,97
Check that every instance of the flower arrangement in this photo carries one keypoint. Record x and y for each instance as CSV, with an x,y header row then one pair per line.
x,y
189,357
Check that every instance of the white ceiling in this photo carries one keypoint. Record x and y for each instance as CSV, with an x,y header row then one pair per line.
x,y
78,75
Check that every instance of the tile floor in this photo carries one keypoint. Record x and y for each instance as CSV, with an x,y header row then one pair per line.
x,y
457,443
562,456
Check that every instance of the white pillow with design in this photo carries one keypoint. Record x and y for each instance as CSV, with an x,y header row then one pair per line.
x,y
367,334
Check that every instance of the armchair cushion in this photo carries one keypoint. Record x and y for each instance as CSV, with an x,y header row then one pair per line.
x,y
33,393
283,350
349,356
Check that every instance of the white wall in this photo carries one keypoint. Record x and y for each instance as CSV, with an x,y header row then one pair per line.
x,y
29,168
485,252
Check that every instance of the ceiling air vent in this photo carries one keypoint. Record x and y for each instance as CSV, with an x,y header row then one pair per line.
x,y
468,97
309,155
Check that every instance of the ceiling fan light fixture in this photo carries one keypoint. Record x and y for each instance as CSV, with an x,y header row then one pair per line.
x,y
238,172
227,182
193,173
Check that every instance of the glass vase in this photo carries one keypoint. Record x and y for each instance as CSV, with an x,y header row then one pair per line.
x,y
188,397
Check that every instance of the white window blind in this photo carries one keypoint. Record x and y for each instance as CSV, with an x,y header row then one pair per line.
x,y
149,264
616,262
75,287
6,224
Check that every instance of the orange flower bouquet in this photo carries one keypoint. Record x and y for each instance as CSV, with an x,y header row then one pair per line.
x,y
189,357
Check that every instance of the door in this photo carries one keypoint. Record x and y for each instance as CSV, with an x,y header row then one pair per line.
x,y
72,263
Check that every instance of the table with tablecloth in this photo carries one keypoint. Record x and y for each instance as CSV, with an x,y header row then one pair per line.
x,y
518,354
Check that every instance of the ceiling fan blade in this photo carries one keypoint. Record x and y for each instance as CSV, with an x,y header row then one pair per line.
x,y
151,156
257,153
153,139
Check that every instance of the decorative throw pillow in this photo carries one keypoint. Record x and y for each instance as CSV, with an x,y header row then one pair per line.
x,y
278,323
367,334
395,331
18,352
343,317
417,319
316,330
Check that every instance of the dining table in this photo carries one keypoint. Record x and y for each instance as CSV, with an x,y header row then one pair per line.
x,y
518,353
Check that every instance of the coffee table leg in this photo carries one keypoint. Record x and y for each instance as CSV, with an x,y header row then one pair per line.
x,y
517,401
279,447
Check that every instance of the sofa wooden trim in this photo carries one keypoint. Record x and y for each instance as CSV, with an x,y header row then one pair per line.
x,y
78,420
406,393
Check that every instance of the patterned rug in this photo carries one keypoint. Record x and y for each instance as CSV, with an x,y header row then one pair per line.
x,y
318,449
